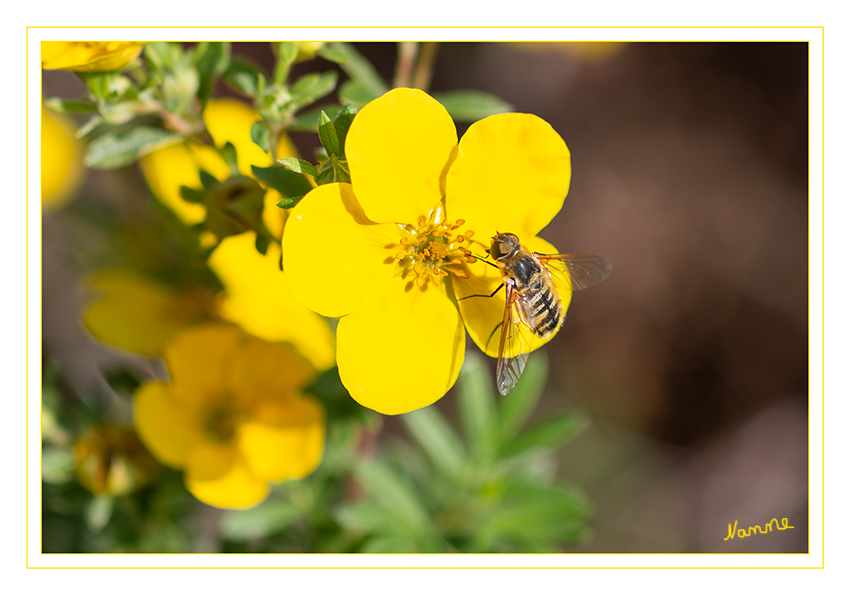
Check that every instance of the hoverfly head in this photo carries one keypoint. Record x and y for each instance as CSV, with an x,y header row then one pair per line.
x,y
503,245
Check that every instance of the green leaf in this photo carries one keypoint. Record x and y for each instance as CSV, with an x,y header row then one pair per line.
x,y
116,149
328,137
258,522
470,106
212,60
477,408
70,106
356,93
438,439
389,544
389,490
286,182
98,512
550,433
534,517
306,121
360,70
342,122
333,54
208,181
192,195
161,55
299,166
286,52
261,135
245,76
90,125
341,173
311,87
57,465
518,405
289,202
228,153
365,517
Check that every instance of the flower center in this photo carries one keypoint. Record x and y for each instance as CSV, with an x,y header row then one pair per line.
x,y
220,422
435,248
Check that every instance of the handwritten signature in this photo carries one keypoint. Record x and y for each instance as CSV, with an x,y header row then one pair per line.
x,y
741,533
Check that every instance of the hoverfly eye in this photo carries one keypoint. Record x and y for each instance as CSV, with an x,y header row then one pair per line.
x,y
500,249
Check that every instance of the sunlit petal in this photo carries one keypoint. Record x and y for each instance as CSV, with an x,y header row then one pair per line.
x,y
284,440
403,351
399,148
262,371
336,260
178,165
512,173
88,56
137,313
200,362
61,159
167,429
219,476
258,299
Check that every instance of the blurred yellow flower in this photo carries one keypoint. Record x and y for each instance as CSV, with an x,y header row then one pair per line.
x,y
88,56
110,460
391,252
134,312
233,416
257,298
583,51
179,165
61,160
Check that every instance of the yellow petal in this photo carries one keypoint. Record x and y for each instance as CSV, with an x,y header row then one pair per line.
x,y
61,160
263,371
219,476
168,430
200,362
483,315
259,300
139,314
403,351
292,447
336,260
230,120
178,165
512,171
399,148
88,56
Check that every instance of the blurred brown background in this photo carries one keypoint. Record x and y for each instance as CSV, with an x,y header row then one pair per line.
x,y
690,174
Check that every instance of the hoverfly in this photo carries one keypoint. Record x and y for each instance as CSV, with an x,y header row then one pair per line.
x,y
532,298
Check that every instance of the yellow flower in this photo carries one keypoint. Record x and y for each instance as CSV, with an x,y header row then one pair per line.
x,y
88,56
233,415
134,312
110,460
179,165
61,160
391,252
257,298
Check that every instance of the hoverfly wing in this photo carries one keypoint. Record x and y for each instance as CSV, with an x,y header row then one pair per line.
x,y
582,270
513,344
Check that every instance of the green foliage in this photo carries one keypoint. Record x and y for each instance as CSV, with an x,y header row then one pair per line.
x,y
479,492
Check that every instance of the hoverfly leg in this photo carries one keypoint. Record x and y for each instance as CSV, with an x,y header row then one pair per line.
x,y
482,294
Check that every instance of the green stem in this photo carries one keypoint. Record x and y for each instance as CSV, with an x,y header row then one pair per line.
x,y
425,65
407,51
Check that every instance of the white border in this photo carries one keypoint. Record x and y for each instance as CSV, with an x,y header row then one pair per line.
x,y
814,559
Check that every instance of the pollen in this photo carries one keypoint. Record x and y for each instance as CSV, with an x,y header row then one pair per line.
x,y
434,249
